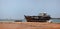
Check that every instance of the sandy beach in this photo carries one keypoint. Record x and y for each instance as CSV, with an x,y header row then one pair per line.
x,y
28,25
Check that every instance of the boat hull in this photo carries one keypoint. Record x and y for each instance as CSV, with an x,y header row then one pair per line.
x,y
37,18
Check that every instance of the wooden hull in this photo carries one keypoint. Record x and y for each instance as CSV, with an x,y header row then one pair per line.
x,y
37,18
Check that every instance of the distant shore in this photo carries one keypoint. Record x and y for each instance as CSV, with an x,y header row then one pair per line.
x,y
55,18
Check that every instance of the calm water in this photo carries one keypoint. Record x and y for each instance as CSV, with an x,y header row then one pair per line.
x,y
56,20
24,20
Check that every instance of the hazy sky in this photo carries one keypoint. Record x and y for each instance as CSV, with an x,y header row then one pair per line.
x,y
16,9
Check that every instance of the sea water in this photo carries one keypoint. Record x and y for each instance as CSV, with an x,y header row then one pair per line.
x,y
56,20
24,20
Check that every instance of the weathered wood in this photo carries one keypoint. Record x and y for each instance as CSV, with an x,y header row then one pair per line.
x,y
37,18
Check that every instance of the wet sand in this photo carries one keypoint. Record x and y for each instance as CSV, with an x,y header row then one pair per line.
x,y
28,25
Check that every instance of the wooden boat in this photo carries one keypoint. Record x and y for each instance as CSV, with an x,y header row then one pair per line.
x,y
41,18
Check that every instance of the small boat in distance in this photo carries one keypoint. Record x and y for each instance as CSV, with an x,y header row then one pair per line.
x,y
42,17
